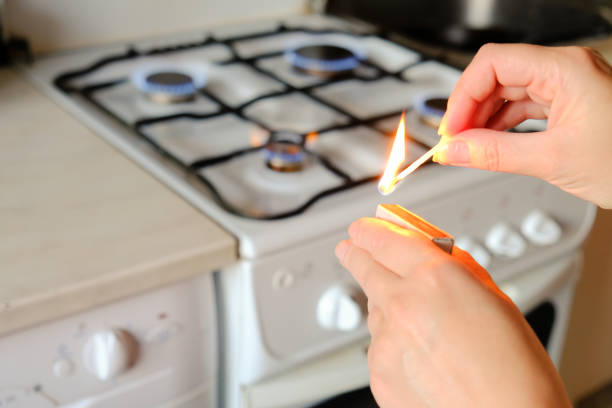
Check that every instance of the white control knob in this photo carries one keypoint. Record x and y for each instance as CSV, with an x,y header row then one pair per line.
x,y
478,252
339,309
504,241
108,353
63,367
540,228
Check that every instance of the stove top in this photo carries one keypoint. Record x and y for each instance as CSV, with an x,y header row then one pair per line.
x,y
276,151
268,122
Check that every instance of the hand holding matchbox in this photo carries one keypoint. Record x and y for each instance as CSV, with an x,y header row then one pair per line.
x,y
399,216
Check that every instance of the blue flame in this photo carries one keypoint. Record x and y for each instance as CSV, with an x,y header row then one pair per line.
x,y
421,107
288,157
187,88
337,65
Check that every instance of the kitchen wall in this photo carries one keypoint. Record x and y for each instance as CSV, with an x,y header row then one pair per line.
x,y
587,359
65,24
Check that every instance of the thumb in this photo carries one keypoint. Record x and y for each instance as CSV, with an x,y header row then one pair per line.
x,y
520,153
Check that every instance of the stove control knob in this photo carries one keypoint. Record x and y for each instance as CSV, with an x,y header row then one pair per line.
x,y
502,240
477,251
108,353
341,308
540,228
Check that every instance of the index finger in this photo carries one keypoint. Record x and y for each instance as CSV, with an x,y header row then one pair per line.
x,y
398,249
507,65
374,279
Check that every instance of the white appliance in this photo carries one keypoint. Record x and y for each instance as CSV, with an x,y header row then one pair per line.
x,y
248,125
156,349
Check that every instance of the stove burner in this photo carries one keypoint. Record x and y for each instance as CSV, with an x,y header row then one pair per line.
x,y
325,52
284,157
431,111
169,87
323,60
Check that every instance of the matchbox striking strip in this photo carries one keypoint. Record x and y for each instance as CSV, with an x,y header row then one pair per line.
x,y
402,217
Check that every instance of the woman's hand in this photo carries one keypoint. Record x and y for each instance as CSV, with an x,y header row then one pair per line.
x,y
508,83
443,334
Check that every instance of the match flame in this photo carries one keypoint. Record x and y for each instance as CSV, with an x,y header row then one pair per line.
x,y
396,158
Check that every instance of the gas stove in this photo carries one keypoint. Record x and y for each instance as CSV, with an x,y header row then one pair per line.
x,y
279,131
255,125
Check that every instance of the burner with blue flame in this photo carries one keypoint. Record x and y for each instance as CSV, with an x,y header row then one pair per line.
x,y
325,60
284,157
431,110
168,84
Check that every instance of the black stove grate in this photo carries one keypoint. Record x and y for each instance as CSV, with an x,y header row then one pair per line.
x,y
63,82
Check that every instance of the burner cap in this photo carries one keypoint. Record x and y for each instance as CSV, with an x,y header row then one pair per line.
x,y
284,157
169,87
431,110
323,60
168,83
331,53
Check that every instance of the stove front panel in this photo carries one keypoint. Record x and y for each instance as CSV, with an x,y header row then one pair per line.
x,y
284,293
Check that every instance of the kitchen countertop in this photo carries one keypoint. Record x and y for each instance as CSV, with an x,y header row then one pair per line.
x,y
81,225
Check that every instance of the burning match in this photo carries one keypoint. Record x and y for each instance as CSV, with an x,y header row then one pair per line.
x,y
390,178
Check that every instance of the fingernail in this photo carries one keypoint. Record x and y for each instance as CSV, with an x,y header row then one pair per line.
x,y
341,249
440,154
444,140
442,131
455,152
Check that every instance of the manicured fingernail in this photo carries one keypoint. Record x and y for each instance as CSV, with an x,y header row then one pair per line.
x,y
440,154
442,131
455,152
441,145
341,249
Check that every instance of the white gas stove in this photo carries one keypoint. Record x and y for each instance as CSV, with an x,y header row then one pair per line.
x,y
278,131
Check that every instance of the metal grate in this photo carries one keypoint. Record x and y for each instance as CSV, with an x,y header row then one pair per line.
x,y
88,92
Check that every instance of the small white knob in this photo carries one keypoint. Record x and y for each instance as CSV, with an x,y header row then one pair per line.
x,y
540,228
108,353
338,308
502,240
478,252
63,367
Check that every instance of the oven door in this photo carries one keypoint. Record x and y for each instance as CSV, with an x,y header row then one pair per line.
x,y
341,379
